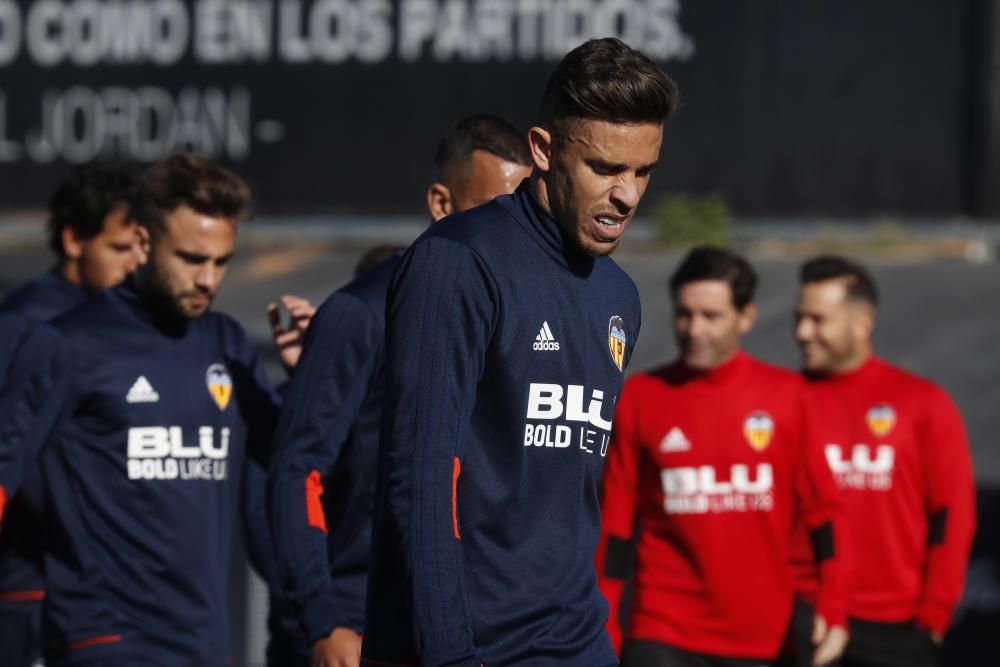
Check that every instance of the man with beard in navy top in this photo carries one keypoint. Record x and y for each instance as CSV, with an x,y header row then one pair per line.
x,y
322,475
97,245
168,411
508,331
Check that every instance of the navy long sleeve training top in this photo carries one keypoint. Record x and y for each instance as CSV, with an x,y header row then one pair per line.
x,y
31,392
44,297
144,480
322,473
21,580
505,355
13,331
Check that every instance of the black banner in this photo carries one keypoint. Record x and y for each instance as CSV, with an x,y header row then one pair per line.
x,y
336,105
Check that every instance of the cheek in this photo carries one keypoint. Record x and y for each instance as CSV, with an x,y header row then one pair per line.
x,y
831,335
168,271
725,337
590,189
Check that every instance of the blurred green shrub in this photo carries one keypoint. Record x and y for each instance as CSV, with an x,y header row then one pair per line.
x,y
887,233
687,220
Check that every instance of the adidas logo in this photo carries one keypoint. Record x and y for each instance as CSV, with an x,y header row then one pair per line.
x,y
545,340
142,392
675,441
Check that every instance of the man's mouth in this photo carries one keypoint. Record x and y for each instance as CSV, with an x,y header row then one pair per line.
x,y
609,227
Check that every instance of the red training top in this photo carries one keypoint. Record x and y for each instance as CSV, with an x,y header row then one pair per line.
x,y
714,468
897,446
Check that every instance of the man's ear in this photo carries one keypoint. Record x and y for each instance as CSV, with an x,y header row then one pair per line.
x,y
747,318
863,322
540,142
142,244
439,201
71,242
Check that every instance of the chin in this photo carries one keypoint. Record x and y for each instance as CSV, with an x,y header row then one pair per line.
x,y
814,366
698,364
595,248
602,249
192,312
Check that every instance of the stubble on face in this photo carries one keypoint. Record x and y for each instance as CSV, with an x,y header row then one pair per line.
x,y
599,172
189,257
707,325
826,328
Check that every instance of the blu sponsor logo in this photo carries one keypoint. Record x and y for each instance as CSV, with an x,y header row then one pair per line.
x,y
863,469
701,489
159,452
586,425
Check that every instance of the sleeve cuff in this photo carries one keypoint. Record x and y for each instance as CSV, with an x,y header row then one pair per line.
x,y
832,606
933,617
831,598
833,614
319,618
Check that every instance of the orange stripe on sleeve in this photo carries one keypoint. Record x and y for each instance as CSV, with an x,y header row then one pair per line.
x,y
456,471
107,639
314,507
23,596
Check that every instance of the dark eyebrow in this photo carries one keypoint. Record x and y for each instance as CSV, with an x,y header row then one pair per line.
x,y
616,168
602,165
191,256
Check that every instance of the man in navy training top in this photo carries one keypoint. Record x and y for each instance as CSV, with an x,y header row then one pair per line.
x,y
94,237
322,473
168,410
508,330
97,245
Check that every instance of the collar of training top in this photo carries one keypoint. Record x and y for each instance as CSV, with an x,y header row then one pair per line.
x,y
542,226
145,308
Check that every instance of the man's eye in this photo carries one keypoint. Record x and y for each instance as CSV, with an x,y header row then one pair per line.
x,y
603,170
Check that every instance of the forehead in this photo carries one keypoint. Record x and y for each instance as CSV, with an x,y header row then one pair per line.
x,y
188,229
633,144
118,223
826,294
705,295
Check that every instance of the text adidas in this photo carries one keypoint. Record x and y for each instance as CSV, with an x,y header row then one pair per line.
x,y
545,340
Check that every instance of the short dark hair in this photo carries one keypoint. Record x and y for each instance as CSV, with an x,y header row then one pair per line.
x,y
480,132
188,179
713,263
860,286
85,199
605,79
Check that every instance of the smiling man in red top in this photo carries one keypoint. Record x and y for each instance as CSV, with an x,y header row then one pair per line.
x,y
897,445
711,459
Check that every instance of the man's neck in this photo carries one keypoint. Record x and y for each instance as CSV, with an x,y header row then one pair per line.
x,y
70,270
856,362
541,190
